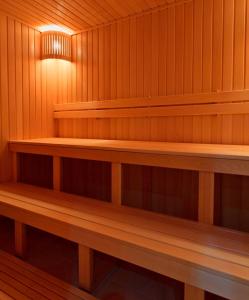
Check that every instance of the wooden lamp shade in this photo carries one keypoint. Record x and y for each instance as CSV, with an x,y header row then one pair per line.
x,y
55,45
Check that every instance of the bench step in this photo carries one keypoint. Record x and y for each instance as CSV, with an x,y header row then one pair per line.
x,y
19,280
215,257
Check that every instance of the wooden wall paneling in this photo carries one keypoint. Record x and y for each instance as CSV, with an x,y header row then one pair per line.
x,y
57,173
24,89
158,190
198,46
246,47
84,65
206,197
207,45
15,167
179,48
126,59
217,45
79,64
147,55
74,69
113,52
116,183
100,82
107,62
25,72
5,158
228,45
155,18
201,62
119,59
18,79
95,49
188,47
171,53
90,65
239,44
52,92
162,78
44,99
140,56
11,77
231,201
36,170
38,84
32,91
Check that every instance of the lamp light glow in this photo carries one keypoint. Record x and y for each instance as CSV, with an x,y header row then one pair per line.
x,y
55,44
57,28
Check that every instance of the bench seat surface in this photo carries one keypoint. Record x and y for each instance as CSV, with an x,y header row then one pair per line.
x,y
185,149
207,246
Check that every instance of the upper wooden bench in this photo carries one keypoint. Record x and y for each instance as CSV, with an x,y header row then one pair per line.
x,y
205,256
19,280
229,159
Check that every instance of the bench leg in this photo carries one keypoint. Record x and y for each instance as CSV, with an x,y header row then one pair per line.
x,y
85,267
20,239
193,293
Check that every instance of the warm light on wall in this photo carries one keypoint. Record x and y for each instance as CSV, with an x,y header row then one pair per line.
x,y
55,44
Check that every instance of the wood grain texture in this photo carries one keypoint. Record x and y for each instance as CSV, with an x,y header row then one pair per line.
x,y
191,292
216,258
77,15
25,97
231,202
164,53
20,280
166,191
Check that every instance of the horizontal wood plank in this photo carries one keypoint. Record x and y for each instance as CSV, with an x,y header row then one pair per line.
x,y
230,159
215,257
143,112
187,99
23,281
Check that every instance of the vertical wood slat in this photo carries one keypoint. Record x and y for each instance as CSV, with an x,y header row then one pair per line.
x,y
85,267
193,293
205,215
20,239
206,197
24,94
57,173
197,46
116,183
20,228
15,167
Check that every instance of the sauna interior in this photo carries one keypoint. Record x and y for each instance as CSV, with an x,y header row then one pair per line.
x,y
124,149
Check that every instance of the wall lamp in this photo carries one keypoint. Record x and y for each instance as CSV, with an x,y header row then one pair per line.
x,y
55,44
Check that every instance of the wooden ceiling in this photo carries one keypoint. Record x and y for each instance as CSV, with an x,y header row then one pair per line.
x,y
76,15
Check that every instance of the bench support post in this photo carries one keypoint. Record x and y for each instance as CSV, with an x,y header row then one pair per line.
x,y
193,293
15,167
57,173
20,239
205,215
116,183
206,197
20,228
85,267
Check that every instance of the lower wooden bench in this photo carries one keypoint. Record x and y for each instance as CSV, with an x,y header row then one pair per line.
x,y
19,280
203,256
